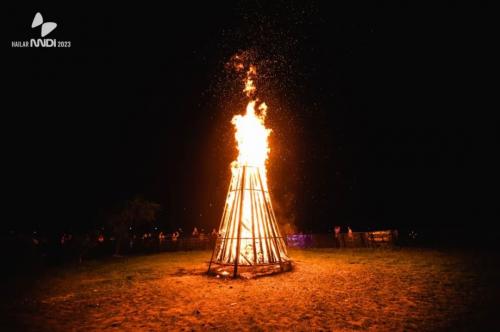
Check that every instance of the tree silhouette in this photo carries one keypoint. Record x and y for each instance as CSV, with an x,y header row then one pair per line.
x,y
136,213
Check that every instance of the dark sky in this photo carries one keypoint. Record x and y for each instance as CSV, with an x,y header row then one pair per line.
x,y
380,116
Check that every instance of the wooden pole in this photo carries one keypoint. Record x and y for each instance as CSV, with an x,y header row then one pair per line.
x,y
242,196
252,197
270,221
261,213
255,211
220,226
228,225
233,221
279,238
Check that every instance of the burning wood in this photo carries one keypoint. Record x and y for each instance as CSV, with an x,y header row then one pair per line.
x,y
249,236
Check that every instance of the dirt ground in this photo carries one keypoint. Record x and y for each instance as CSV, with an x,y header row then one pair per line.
x,y
328,289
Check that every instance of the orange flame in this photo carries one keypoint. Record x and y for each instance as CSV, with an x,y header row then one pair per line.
x,y
251,133
249,81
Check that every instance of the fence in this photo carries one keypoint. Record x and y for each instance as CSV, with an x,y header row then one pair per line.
x,y
182,244
384,238
344,240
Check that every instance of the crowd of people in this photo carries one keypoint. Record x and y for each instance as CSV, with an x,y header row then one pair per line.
x,y
64,247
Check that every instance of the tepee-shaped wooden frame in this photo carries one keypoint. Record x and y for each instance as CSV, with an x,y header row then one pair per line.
x,y
249,237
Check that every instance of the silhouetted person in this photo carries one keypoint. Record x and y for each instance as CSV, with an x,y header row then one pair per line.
x,y
336,233
175,240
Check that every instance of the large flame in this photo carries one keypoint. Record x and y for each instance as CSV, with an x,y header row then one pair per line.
x,y
251,133
251,136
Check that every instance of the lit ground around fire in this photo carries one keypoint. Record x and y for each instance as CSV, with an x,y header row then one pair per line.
x,y
407,289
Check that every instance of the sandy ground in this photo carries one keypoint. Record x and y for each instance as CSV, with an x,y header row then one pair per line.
x,y
341,290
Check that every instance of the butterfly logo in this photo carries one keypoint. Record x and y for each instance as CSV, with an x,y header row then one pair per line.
x,y
47,27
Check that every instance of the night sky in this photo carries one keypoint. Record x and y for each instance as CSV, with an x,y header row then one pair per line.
x,y
378,115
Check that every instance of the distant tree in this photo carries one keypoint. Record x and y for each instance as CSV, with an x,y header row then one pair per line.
x,y
136,213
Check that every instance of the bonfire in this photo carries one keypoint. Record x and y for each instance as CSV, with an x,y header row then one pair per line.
x,y
249,242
